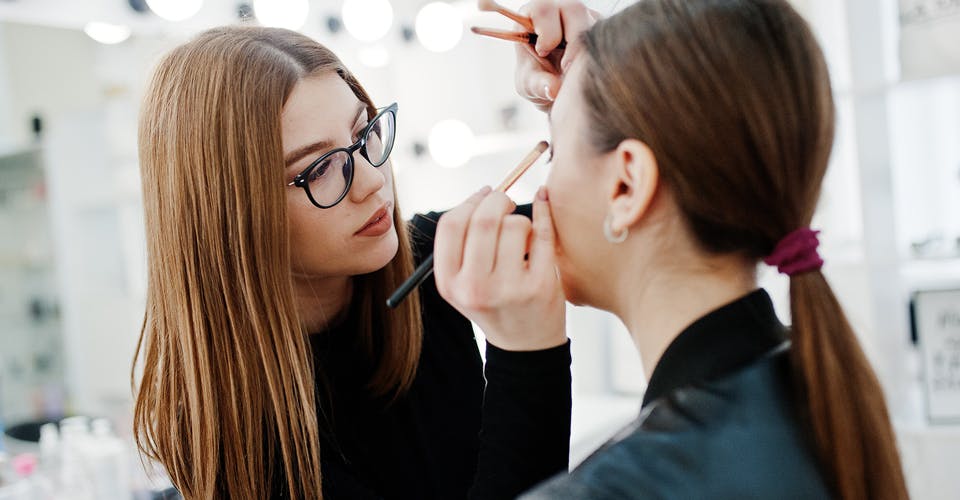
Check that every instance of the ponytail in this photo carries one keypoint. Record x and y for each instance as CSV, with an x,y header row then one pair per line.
x,y
841,396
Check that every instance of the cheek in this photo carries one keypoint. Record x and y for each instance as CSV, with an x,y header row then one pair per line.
x,y
310,229
562,186
571,197
387,170
576,206
322,242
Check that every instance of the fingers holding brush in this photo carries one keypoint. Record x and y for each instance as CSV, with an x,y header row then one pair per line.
x,y
540,68
499,269
452,230
518,302
545,17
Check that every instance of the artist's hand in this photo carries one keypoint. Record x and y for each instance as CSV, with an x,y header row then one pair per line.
x,y
481,269
540,70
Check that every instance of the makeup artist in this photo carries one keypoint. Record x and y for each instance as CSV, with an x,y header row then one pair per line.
x,y
690,140
271,367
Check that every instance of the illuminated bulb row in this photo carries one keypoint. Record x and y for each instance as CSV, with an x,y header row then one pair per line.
x,y
291,14
438,25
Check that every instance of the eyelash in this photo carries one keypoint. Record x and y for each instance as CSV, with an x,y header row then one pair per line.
x,y
356,135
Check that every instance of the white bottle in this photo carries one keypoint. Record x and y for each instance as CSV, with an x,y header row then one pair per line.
x,y
109,463
48,475
73,479
50,449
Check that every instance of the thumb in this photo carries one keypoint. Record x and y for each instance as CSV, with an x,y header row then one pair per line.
x,y
542,86
550,86
542,250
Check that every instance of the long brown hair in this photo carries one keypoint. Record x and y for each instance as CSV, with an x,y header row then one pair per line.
x,y
734,99
227,389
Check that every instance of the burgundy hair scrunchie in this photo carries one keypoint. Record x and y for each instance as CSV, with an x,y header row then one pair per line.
x,y
797,253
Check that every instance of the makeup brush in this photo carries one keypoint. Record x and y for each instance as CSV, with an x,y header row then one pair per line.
x,y
425,269
513,36
493,6
528,37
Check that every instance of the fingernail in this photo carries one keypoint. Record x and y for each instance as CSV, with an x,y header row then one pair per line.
x,y
484,190
546,92
542,194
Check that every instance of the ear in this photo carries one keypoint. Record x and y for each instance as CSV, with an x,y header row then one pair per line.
x,y
635,179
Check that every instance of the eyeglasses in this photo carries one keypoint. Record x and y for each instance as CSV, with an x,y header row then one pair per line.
x,y
328,179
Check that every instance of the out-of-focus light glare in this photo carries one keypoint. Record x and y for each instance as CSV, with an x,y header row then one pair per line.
x,y
107,33
439,26
451,143
289,14
175,10
367,20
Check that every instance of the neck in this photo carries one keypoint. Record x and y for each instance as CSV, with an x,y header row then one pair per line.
x,y
666,301
322,302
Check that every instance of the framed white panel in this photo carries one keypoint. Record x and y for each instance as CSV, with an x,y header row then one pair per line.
x,y
937,319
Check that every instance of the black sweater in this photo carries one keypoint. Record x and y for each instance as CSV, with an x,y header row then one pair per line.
x,y
452,435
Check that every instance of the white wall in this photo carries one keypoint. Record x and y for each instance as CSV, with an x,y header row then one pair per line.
x,y
57,78
6,99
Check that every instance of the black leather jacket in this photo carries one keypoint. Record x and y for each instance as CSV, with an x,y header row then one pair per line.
x,y
720,422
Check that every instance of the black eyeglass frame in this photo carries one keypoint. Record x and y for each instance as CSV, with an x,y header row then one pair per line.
x,y
301,179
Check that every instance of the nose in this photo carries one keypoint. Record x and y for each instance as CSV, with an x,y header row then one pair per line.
x,y
367,179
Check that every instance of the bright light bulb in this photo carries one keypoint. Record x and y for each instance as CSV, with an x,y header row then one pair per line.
x,y
451,143
439,26
367,20
175,10
374,57
290,14
107,33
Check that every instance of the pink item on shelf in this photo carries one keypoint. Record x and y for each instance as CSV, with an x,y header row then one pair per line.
x,y
25,464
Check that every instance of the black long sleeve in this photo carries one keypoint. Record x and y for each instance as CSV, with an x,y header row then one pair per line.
x,y
525,424
525,434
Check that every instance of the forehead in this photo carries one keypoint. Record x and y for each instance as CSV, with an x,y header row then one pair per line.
x,y
319,107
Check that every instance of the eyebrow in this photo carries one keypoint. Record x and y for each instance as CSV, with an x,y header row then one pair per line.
x,y
297,154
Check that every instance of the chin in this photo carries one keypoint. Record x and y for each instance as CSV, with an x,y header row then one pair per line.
x,y
572,294
570,289
379,255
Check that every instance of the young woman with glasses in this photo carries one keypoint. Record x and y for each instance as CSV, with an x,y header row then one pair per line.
x,y
271,366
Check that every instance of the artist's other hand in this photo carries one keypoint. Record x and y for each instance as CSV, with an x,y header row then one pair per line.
x,y
499,270
540,70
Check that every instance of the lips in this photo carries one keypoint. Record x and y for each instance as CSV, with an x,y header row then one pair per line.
x,y
377,216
